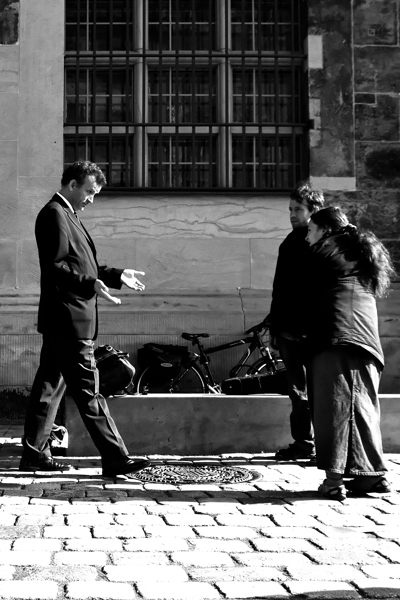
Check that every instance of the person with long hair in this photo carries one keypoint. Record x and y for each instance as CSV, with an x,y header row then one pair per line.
x,y
348,269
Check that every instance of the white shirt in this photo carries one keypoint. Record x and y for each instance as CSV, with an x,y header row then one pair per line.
x,y
67,203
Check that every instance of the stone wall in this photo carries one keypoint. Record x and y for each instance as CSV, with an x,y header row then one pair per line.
x,y
194,246
355,99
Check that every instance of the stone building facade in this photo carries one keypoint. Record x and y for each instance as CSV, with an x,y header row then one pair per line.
x,y
209,258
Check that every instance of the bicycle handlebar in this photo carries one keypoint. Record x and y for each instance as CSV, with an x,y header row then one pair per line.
x,y
257,328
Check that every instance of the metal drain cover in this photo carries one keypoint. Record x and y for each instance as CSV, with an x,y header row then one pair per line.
x,y
181,474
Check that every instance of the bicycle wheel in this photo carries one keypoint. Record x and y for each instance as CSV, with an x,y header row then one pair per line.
x,y
188,381
275,381
264,366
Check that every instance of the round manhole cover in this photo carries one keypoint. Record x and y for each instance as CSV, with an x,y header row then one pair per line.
x,y
180,474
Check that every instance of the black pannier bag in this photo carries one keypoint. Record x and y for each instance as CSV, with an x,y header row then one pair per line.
x,y
116,373
275,383
165,360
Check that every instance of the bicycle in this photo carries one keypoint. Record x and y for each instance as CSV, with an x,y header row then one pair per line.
x,y
189,378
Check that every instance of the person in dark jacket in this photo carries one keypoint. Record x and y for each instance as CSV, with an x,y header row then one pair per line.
x,y
71,280
287,318
347,269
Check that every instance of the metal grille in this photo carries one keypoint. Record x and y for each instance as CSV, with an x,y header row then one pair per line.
x,y
186,94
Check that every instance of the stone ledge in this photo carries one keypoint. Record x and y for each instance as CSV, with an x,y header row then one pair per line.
x,y
190,424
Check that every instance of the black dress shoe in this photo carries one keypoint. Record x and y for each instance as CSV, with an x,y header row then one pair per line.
x,y
129,465
43,464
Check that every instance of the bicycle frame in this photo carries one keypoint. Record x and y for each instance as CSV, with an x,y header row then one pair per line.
x,y
255,342
201,359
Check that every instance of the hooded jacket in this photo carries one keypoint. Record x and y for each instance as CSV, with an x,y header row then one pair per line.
x,y
341,310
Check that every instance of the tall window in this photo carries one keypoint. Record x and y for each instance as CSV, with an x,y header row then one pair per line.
x,y
178,94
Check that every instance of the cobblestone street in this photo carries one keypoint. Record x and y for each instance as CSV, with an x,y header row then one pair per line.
x,y
78,535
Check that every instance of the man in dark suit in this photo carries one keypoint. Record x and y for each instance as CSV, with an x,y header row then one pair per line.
x,y
71,281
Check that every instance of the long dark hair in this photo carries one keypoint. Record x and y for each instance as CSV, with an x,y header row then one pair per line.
x,y
374,261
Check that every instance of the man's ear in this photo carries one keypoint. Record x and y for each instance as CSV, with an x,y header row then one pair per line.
x,y
72,184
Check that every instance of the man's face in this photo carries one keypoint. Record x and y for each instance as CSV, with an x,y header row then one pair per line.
x,y
299,214
84,194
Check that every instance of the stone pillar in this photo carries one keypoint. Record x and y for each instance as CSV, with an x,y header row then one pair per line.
x,y
9,78
332,155
40,122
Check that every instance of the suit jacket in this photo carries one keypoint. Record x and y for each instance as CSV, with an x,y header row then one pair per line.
x,y
68,271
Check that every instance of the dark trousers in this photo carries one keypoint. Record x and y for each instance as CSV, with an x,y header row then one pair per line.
x,y
293,355
69,364
344,382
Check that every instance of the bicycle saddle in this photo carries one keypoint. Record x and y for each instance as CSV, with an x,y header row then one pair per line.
x,y
194,336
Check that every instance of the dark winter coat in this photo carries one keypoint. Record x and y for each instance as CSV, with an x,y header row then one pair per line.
x,y
289,285
340,309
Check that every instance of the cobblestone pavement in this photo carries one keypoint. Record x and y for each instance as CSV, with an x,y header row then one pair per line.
x,y
78,535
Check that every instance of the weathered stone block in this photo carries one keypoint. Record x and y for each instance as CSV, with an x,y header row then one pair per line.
x,y
41,88
331,151
9,68
193,216
365,98
376,69
8,190
9,107
34,193
9,22
8,263
379,122
375,22
28,272
375,209
263,255
195,263
206,424
378,165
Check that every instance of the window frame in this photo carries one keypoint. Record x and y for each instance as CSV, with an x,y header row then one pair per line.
x,y
224,61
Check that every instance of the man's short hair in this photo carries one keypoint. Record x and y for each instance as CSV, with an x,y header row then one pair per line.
x,y
81,169
304,193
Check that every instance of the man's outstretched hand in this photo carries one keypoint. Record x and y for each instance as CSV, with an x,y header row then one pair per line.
x,y
128,277
102,290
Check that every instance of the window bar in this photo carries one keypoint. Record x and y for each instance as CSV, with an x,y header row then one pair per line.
x,y
224,118
177,40
128,96
277,91
144,66
295,114
162,169
77,75
94,82
259,96
210,98
243,92
193,101
293,28
110,94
